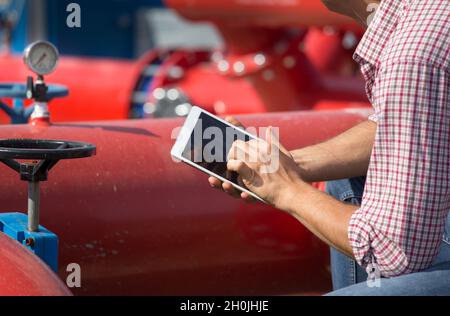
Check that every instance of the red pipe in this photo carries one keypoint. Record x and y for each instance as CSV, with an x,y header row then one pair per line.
x,y
138,223
24,274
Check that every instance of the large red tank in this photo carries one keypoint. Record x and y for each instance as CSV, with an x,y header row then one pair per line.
x,y
138,223
23,274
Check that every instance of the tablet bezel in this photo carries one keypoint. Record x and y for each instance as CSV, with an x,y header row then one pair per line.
x,y
185,135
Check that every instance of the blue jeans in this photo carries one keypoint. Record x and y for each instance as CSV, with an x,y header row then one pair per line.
x,y
349,278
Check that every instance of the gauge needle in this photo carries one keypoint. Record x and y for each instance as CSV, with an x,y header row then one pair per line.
x,y
41,59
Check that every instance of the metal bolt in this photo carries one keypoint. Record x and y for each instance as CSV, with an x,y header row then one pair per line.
x,y
159,93
239,67
259,59
173,94
223,65
149,108
29,242
183,109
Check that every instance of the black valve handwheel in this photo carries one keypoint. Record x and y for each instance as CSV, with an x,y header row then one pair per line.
x,y
46,152
40,157
39,149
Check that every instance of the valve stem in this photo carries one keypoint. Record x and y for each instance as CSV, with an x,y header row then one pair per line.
x,y
33,206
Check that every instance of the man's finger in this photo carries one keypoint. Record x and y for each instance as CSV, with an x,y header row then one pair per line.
x,y
230,189
247,197
238,150
247,151
215,183
246,173
234,121
274,141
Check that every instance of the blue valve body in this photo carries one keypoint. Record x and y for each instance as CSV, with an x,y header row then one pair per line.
x,y
42,243
18,92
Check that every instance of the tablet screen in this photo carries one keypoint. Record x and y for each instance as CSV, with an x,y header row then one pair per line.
x,y
209,144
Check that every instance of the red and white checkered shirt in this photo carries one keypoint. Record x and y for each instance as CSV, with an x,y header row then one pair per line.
x,y
405,59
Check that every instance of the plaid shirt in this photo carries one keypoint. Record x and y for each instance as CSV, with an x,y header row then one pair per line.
x,y
405,58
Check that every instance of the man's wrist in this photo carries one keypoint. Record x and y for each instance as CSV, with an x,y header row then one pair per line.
x,y
290,200
303,165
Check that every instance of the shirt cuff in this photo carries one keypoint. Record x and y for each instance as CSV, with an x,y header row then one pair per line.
x,y
371,246
359,236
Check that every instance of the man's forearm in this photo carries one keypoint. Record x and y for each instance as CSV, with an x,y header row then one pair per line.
x,y
324,216
344,156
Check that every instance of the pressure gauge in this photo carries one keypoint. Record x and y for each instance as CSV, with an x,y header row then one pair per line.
x,y
41,57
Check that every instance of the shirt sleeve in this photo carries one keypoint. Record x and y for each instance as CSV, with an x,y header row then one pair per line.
x,y
400,223
373,117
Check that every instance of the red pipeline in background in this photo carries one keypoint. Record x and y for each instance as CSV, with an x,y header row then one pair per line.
x,y
276,56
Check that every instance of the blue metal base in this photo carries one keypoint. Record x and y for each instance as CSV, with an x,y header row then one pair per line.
x,y
43,243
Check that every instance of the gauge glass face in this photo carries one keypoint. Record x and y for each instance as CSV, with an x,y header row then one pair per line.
x,y
42,58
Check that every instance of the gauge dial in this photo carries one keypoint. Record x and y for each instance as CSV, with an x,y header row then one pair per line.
x,y
41,57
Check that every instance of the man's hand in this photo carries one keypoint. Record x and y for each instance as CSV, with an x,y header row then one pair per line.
x,y
228,188
345,156
266,168
285,188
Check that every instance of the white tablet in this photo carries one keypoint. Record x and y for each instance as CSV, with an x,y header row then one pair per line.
x,y
204,142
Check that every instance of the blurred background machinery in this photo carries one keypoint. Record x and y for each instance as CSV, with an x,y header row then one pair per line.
x,y
146,58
